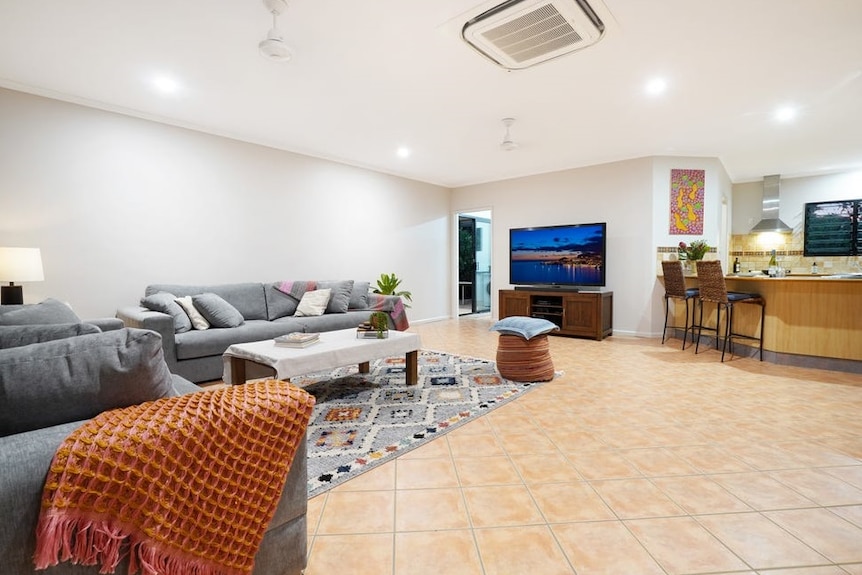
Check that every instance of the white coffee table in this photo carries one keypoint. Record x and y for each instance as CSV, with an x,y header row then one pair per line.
x,y
335,349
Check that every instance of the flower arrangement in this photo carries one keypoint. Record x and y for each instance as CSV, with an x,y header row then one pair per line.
x,y
693,252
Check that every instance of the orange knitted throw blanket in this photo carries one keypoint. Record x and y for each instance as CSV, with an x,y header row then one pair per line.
x,y
185,485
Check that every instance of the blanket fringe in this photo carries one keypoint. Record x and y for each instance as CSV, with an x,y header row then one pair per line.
x,y
90,542
61,537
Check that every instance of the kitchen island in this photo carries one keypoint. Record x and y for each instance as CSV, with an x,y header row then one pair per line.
x,y
813,321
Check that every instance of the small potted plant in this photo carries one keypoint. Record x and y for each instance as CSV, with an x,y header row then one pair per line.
x,y
380,322
388,284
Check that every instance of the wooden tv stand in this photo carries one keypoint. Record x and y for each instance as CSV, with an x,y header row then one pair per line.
x,y
579,314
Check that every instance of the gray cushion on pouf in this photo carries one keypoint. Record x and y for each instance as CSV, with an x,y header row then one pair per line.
x,y
76,378
526,327
18,335
46,312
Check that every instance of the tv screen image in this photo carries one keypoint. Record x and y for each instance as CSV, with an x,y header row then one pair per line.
x,y
566,255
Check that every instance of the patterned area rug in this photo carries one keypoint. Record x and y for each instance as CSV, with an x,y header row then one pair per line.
x,y
363,420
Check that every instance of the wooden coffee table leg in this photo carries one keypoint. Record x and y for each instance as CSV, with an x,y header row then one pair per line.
x,y
412,367
237,370
365,367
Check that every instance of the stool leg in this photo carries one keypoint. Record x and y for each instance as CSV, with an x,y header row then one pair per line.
x,y
728,332
694,305
699,329
717,323
666,310
685,327
762,318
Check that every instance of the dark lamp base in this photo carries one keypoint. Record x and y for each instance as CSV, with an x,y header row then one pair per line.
x,y
11,295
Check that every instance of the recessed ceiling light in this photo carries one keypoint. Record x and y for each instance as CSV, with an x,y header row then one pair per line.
x,y
403,152
656,86
786,114
165,84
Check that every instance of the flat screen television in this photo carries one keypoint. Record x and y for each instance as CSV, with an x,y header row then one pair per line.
x,y
570,255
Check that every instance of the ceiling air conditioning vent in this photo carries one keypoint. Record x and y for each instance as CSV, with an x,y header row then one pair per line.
x,y
521,33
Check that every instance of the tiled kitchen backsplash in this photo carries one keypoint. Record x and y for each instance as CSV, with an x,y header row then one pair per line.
x,y
754,254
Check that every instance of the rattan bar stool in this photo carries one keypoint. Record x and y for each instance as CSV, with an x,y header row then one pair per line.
x,y
713,289
674,288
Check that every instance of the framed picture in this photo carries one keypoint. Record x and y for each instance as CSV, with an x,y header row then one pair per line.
x,y
686,202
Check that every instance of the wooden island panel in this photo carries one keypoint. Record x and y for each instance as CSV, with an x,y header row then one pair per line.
x,y
805,315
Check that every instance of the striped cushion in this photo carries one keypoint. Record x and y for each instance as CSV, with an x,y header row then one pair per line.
x,y
522,359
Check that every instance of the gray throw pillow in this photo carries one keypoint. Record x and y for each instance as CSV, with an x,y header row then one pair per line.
x,y
278,303
46,312
18,335
526,327
339,295
359,295
76,378
165,302
217,311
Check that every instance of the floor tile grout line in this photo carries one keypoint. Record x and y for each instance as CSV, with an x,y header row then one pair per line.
x,y
782,529
470,524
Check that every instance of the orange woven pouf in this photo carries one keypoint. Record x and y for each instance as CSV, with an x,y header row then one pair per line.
x,y
521,359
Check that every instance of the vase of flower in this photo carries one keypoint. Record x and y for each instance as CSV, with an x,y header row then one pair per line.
x,y
693,252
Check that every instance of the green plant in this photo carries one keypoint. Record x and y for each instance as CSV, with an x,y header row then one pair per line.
x,y
693,252
388,284
379,321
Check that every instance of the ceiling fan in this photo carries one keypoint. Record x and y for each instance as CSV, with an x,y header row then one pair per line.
x,y
273,46
507,145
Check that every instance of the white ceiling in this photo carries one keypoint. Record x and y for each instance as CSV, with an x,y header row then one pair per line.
x,y
371,75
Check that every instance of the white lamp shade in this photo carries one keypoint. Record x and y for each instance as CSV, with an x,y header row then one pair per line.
x,y
21,265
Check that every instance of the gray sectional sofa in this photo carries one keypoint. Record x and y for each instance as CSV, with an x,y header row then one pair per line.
x,y
266,312
53,378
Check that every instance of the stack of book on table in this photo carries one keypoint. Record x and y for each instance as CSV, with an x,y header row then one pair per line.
x,y
366,330
297,339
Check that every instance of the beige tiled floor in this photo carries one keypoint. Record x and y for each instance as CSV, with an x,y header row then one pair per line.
x,y
641,459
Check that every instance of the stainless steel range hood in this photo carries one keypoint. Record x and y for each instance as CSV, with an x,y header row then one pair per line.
x,y
770,221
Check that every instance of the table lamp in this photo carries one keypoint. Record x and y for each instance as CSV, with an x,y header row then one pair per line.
x,y
18,265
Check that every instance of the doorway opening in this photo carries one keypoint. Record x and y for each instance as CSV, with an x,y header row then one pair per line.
x,y
474,262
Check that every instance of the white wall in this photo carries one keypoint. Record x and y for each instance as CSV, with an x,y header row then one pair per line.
x,y
116,203
718,203
717,188
632,197
618,193
794,194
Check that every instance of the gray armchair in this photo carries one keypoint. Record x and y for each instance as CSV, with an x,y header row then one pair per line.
x,y
53,378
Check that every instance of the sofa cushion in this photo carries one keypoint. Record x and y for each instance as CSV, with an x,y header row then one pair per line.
x,y
165,302
217,311
313,302
18,335
278,303
197,319
339,297
359,295
248,298
70,379
46,312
